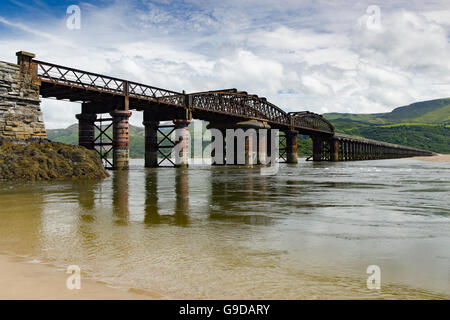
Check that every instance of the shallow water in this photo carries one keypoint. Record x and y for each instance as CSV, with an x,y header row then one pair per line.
x,y
228,232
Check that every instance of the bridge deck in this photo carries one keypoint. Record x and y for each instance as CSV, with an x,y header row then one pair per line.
x,y
102,94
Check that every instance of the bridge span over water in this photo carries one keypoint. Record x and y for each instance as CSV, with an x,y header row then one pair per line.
x,y
223,109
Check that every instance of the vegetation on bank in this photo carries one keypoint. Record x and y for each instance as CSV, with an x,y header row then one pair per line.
x,y
48,161
424,125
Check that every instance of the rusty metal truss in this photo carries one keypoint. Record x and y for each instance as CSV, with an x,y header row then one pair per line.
x,y
103,142
165,145
309,120
78,85
282,149
240,104
79,79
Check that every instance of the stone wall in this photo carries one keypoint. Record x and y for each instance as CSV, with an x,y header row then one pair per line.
x,y
20,113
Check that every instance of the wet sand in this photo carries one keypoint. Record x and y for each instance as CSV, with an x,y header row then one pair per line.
x,y
20,279
438,158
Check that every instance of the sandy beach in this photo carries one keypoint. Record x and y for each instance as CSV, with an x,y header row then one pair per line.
x,y
438,158
20,279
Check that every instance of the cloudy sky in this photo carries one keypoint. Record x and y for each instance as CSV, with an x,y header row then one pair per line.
x,y
322,56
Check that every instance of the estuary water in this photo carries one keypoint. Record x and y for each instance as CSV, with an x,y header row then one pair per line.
x,y
221,232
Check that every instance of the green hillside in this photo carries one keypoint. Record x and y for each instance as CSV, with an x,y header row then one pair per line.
x,y
424,125
432,111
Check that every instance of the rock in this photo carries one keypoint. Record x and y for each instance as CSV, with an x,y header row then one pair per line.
x,y
47,161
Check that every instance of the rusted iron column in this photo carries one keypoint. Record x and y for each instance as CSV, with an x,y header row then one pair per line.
x,y
344,149
218,152
334,149
151,140
292,146
317,149
250,128
358,151
182,142
121,155
349,150
86,129
216,157
263,144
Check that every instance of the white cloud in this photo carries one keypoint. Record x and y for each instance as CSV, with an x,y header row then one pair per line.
x,y
299,54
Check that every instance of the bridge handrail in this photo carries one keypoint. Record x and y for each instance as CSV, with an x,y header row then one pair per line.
x,y
79,78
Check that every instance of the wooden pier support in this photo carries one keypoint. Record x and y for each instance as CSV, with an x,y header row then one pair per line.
x,y
121,155
86,129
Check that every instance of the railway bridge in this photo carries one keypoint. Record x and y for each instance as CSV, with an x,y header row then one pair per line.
x,y
223,109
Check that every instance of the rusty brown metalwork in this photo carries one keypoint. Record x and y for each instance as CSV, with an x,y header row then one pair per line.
x,y
78,85
105,94
103,142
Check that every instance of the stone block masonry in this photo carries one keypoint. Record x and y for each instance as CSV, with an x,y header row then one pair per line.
x,y
20,113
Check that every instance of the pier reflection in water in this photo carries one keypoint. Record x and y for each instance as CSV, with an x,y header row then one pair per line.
x,y
228,232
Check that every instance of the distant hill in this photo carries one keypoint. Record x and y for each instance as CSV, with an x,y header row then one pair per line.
x,y
424,125
429,112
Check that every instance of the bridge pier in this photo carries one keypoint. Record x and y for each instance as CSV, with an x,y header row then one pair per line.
x,y
86,129
264,144
334,149
121,155
218,155
292,146
151,140
182,142
250,129
317,149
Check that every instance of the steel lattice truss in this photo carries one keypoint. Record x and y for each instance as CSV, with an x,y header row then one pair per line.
x,y
308,120
239,104
74,78
229,102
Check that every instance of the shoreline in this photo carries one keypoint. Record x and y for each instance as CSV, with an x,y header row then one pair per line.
x,y
22,279
438,158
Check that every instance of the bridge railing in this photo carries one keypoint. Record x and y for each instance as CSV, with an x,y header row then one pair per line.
x,y
75,78
239,104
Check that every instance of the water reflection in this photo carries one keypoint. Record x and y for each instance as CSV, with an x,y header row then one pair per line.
x,y
237,197
182,197
18,205
86,192
120,197
222,232
153,195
